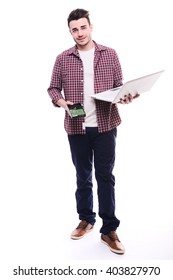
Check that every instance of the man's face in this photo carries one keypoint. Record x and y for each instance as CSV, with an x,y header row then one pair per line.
x,y
81,32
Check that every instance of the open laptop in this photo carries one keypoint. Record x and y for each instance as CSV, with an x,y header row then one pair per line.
x,y
133,87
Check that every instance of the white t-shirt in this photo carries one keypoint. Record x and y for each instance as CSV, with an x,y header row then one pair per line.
x,y
89,103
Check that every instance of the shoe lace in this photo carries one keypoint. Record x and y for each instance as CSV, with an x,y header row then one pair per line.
x,y
82,224
113,236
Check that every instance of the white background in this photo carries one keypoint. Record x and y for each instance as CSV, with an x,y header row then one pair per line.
x,y
37,202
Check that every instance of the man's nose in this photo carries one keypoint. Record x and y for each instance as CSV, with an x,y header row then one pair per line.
x,y
80,33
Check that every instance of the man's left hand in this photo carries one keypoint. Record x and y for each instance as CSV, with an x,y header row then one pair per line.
x,y
128,98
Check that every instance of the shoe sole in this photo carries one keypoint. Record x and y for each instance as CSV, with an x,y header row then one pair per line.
x,y
113,250
79,237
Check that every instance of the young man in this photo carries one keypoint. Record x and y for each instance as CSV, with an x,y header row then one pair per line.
x,y
85,69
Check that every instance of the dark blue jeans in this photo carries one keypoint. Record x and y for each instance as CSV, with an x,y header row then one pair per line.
x,y
97,148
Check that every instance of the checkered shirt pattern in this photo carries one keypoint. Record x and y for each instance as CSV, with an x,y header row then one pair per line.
x,y
67,82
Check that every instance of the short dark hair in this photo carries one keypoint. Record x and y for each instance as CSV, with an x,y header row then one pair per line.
x,y
77,14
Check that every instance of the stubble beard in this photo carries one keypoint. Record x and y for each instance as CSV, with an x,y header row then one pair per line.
x,y
82,45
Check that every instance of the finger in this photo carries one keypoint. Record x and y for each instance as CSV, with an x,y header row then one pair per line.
x,y
121,101
126,99
137,95
130,98
69,102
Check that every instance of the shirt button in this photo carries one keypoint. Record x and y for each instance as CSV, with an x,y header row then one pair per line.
x,y
81,81
81,93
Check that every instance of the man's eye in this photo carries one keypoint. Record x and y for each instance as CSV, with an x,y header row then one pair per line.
x,y
74,31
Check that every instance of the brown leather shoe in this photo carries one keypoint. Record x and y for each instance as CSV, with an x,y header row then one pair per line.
x,y
111,239
83,228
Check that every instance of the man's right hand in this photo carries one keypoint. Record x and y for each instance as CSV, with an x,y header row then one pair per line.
x,y
62,103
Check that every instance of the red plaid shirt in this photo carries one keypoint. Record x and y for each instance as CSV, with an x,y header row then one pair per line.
x,y
68,76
